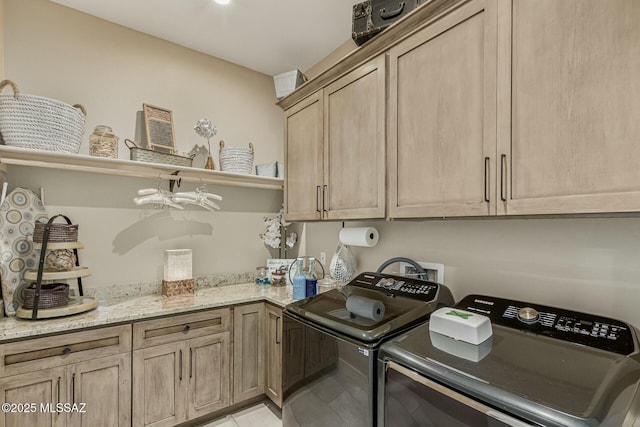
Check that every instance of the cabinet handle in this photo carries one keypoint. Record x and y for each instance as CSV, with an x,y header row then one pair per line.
x,y
180,362
190,362
503,159
277,330
66,350
317,197
486,179
73,388
186,328
324,197
58,402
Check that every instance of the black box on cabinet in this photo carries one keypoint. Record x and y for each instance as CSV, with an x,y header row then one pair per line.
x,y
372,16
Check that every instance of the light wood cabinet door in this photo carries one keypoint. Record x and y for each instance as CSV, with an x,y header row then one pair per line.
x,y
568,135
442,117
303,135
103,387
273,371
248,351
354,166
46,387
159,385
208,376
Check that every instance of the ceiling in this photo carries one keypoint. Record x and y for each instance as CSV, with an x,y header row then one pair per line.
x,y
269,36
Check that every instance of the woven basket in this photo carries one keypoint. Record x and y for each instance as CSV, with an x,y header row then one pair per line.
x,y
58,232
51,295
172,288
36,122
236,159
150,156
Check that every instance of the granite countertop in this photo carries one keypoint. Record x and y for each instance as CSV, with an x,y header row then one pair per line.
x,y
122,310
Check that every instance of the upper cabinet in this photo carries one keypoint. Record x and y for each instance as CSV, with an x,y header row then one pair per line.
x,y
569,106
334,149
493,107
303,156
354,122
442,114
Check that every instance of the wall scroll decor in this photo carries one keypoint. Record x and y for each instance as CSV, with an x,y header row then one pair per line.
x,y
158,123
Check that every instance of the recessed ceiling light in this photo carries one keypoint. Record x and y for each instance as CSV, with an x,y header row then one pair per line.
x,y
222,1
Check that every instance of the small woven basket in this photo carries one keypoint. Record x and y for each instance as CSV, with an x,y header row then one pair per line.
x,y
36,122
150,156
172,288
58,232
236,159
51,295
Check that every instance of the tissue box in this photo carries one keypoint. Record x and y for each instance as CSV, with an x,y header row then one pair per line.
x,y
461,349
286,83
462,325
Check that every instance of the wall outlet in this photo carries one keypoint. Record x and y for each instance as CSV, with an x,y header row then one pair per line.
x,y
435,271
323,259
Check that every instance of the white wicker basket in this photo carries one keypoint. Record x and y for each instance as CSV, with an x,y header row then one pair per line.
x,y
236,159
40,123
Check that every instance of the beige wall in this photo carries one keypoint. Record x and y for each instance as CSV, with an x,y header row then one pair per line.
x,y
1,39
586,264
60,53
327,62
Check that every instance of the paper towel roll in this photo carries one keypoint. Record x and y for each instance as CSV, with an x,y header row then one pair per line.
x,y
365,307
359,236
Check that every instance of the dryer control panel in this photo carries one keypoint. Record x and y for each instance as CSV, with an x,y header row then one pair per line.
x,y
397,285
580,328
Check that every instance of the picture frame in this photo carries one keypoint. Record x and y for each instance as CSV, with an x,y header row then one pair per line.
x,y
158,124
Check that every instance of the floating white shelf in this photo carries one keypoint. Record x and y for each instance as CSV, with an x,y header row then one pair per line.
x,y
13,156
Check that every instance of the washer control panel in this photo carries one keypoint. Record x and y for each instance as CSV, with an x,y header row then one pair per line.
x,y
580,328
397,285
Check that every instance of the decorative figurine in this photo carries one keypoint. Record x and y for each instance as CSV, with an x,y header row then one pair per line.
x,y
206,129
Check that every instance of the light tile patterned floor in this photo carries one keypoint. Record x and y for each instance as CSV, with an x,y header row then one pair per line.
x,y
255,416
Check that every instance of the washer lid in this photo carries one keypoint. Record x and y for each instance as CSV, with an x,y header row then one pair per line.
x,y
329,308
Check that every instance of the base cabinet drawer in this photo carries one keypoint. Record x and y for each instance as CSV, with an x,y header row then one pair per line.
x,y
60,350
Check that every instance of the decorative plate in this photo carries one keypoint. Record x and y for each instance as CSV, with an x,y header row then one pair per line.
x,y
18,214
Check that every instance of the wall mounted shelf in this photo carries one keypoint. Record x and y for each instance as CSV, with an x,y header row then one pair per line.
x,y
12,156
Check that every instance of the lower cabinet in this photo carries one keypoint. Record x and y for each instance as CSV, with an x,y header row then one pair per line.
x,y
161,372
101,388
209,371
46,386
185,377
273,354
75,379
248,351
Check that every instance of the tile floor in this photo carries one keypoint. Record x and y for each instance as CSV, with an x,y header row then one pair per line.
x,y
255,416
